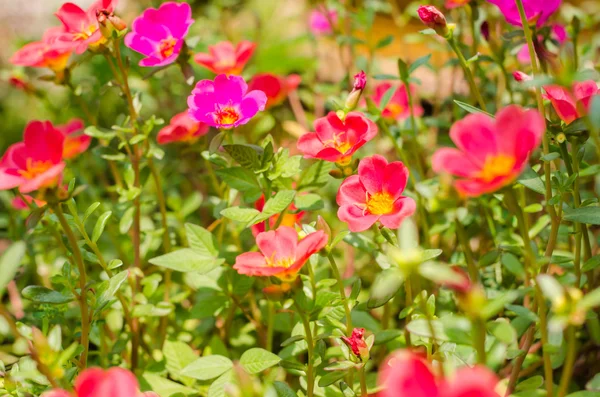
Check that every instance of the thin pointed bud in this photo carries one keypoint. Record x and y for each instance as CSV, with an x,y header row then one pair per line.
x,y
485,30
117,22
521,77
360,81
434,19
322,225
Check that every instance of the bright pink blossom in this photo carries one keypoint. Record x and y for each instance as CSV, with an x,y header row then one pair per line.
x,y
397,108
491,153
290,218
281,254
360,80
224,58
321,21
159,33
537,11
455,3
572,104
336,140
275,87
375,194
36,162
52,51
433,19
82,26
225,102
96,382
75,141
357,344
182,128
407,374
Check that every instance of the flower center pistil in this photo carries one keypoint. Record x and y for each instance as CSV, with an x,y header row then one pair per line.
x,y
166,47
85,34
281,262
380,203
395,109
35,168
496,166
227,115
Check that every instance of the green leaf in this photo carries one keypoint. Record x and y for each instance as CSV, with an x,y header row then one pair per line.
x,y
9,263
248,156
161,309
316,175
387,96
99,133
165,387
495,305
386,285
206,368
513,264
331,378
100,224
240,214
187,260
418,63
201,240
284,166
90,210
256,360
45,295
275,205
283,390
590,300
594,114
107,289
422,328
471,109
531,180
588,215
178,355
240,179
386,41
309,202
217,388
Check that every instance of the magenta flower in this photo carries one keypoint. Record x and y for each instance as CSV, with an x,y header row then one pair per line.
x,y
225,102
574,103
82,25
375,194
225,58
159,33
537,11
75,141
321,20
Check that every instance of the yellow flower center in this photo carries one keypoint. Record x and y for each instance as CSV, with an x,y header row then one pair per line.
x,y
395,109
85,34
227,115
495,166
35,168
380,204
166,47
281,262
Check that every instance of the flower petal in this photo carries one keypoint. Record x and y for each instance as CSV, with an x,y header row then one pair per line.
x,y
403,208
355,217
278,244
371,172
475,135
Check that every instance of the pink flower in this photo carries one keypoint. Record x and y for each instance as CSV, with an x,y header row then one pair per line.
x,y
96,382
535,10
455,3
397,108
19,204
36,162
158,33
275,87
290,218
336,140
225,58
75,143
491,152
521,77
433,19
225,103
357,344
360,80
407,374
82,26
321,21
375,194
572,104
53,51
281,254
182,128
558,33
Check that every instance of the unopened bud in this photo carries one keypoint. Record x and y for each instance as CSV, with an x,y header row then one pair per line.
x,y
561,138
485,30
322,225
521,77
360,80
434,19
276,292
109,22
357,344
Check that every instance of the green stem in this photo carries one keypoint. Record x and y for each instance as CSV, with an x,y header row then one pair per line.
x,y
480,333
310,376
471,266
340,283
569,361
363,383
408,302
468,73
270,324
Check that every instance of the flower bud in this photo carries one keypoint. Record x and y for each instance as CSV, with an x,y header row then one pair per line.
x,y
277,292
485,30
360,81
322,225
357,344
521,77
434,19
109,22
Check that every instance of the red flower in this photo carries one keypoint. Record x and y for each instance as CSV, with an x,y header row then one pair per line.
x,y
281,254
572,104
375,194
225,58
275,87
360,80
182,128
289,219
75,143
52,51
521,77
434,19
408,374
19,204
336,140
36,162
356,343
397,108
83,26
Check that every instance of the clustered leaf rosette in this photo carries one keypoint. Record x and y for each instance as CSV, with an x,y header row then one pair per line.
x,y
281,254
52,52
225,102
321,20
159,33
96,382
35,163
182,128
408,374
375,195
536,11
275,87
290,218
398,107
491,153
574,103
75,141
336,140
224,58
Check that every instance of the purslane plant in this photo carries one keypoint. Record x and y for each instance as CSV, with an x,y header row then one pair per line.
x,y
435,247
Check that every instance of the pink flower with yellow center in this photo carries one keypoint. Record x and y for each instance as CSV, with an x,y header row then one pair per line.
x,y
491,153
572,104
337,140
537,11
75,141
407,374
375,194
82,25
224,58
97,382
35,163
281,254
182,128
397,108
290,218
52,52
225,102
322,20
275,87
159,33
